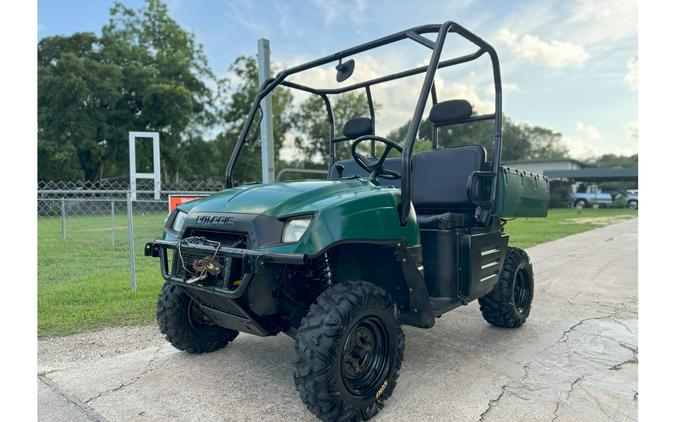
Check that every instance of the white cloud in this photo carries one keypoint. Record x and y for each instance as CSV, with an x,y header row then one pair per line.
x,y
244,14
332,10
631,78
631,129
585,142
601,21
556,54
506,89
397,99
596,23
464,91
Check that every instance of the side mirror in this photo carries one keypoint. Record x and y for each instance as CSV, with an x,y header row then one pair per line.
x,y
344,70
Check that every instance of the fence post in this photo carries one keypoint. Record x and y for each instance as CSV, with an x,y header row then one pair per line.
x,y
112,212
63,219
132,256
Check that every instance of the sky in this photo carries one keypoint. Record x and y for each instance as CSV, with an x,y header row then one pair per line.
x,y
570,66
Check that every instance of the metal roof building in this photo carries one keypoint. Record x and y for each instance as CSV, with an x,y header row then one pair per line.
x,y
594,174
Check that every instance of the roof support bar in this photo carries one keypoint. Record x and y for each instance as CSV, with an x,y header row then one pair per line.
x,y
420,39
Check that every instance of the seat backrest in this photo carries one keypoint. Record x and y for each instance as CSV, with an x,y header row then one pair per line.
x,y
440,178
358,126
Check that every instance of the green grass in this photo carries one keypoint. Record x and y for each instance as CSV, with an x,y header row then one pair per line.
x,y
527,232
83,282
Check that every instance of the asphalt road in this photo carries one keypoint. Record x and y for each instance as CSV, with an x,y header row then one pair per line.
x,y
575,358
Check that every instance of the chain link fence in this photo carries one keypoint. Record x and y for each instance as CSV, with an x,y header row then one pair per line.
x,y
95,233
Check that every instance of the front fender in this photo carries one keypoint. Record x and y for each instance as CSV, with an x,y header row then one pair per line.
x,y
364,218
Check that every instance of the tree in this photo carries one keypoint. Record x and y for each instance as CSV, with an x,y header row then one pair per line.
x,y
612,160
143,73
311,126
519,141
248,168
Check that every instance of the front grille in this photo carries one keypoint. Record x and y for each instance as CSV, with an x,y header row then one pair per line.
x,y
229,240
182,262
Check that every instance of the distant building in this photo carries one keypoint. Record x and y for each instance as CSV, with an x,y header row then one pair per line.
x,y
570,170
542,166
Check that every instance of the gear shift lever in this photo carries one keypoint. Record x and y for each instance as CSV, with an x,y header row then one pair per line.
x,y
340,169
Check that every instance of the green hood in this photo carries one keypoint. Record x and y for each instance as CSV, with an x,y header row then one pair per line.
x,y
354,210
281,199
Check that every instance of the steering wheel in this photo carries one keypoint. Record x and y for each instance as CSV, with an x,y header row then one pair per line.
x,y
377,169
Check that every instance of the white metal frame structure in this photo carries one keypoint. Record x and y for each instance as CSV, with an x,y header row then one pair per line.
x,y
156,173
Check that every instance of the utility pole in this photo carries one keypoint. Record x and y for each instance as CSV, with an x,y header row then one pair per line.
x,y
266,135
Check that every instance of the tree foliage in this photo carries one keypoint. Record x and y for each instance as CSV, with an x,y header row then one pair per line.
x,y
248,168
311,126
143,73
612,160
519,141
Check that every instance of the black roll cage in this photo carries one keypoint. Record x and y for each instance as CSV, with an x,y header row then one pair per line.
x,y
428,87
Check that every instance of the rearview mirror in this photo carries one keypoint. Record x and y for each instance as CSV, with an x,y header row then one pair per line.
x,y
344,70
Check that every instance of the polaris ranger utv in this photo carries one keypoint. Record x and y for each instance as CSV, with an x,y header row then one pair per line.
x,y
341,264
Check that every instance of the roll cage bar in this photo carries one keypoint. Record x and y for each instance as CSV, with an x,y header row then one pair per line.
x,y
428,87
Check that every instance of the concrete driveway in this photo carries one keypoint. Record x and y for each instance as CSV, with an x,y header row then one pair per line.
x,y
575,359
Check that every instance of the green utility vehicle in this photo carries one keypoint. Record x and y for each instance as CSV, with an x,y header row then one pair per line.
x,y
341,264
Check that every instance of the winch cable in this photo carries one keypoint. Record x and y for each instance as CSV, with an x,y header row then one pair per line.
x,y
205,241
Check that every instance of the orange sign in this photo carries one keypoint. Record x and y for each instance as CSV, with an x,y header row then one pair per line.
x,y
175,200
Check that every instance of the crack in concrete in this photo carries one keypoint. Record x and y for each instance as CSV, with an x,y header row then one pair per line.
x,y
632,360
44,373
492,403
90,413
563,338
148,368
605,411
567,396
624,325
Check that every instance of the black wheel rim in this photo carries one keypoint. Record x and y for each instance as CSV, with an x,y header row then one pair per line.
x,y
365,357
198,319
521,290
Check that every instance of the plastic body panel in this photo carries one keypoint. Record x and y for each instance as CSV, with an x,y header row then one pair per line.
x,y
439,248
481,257
348,210
521,194
462,264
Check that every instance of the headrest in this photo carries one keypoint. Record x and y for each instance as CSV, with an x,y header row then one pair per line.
x,y
358,126
449,112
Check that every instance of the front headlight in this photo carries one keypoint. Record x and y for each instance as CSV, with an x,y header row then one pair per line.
x,y
179,221
294,229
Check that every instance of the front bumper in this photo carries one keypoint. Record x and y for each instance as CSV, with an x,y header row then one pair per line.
x,y
253,260
227,307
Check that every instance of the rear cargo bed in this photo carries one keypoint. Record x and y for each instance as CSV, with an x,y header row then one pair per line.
x,y
521,194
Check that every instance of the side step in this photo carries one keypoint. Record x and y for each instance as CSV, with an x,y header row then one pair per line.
x,y
441,305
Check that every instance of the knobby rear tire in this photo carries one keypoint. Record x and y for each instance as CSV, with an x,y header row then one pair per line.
x,y
508,305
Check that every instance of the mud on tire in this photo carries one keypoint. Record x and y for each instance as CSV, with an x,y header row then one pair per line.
x,y
349,349
508,304
185,326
